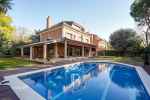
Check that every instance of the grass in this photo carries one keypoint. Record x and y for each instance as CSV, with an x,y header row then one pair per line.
x,y
9,63
12,63
138,61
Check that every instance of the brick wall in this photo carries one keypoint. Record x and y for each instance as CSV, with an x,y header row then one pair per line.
x,y
53,34
75,35
98,42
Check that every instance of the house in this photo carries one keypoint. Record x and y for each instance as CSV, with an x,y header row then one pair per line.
x,y
62,40
100,43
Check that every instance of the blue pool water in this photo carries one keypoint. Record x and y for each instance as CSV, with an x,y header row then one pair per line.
x,y
89,81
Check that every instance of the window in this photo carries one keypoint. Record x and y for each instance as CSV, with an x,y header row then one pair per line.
x,y
87,40
80,38
69,35
74,37
76,27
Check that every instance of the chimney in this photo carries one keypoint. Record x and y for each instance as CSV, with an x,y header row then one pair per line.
x,y
49,22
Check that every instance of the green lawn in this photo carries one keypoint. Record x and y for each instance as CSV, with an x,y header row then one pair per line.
x,y
128,60
11,63
8,63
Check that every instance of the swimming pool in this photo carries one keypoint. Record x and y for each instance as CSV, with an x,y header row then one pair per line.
x,y
88,81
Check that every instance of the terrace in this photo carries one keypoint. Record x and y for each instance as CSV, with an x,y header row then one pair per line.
x,y
17,65
94,53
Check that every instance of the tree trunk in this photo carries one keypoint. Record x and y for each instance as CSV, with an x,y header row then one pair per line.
x,y
146,57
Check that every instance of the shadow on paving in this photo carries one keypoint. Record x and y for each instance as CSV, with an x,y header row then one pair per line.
x,y
6,92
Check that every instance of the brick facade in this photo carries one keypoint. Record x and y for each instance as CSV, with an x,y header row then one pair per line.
x,y
51,34
79,42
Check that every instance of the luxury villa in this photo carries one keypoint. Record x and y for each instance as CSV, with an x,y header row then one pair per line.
x,y
83,80
62,40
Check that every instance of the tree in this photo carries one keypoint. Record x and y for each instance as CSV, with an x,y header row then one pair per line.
x,y
22,34
5,32
6,28
5,5
140,11
124,40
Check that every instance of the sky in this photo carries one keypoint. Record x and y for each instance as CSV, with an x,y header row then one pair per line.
x,y
101,17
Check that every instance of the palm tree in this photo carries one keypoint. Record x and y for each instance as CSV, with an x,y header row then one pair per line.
x,y
5,5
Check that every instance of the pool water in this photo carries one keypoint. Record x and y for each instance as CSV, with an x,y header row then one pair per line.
x,y
89,81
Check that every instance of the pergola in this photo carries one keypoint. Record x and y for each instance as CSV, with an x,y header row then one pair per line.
x,y
64,41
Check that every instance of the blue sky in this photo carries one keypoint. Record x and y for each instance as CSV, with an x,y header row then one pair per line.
x,y
101,17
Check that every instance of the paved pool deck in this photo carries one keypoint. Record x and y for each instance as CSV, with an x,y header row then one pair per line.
x,y
147,69
6,92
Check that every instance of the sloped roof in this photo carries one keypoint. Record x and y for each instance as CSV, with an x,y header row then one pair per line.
x,y
61,23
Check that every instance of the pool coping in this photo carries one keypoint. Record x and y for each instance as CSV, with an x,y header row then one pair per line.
x,y
25,92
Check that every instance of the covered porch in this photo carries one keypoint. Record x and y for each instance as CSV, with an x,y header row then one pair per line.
x,y
48,50
79,49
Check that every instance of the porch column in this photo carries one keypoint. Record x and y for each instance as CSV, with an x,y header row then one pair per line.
x,y
82,51
90,52
65,49
22,52
56,51
96,53
44,51
31,55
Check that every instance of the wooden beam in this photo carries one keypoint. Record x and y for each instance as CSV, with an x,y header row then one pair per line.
x,y
65,49
22,52
45,51
56,51
82,51
31,55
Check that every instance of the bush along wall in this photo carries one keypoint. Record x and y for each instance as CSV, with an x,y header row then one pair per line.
x,y
139,53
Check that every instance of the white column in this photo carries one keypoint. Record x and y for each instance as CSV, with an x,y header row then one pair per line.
x,y
73,49
56,51
31,53
22,52
82,51
65,49
96,53
90,52
44,51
